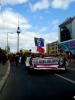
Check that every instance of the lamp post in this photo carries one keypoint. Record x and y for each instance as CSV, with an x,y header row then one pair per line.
x,y
8,48
7,41
18,32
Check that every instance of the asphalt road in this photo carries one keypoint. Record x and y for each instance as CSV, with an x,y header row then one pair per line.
x,y
23,85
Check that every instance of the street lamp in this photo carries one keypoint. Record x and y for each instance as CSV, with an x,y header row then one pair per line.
x,y
18,32
8,42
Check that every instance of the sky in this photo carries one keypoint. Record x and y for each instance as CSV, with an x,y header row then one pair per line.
x,y
36,18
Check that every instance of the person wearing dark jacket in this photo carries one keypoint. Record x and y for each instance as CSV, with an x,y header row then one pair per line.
x,y
64,60
23,59
17,59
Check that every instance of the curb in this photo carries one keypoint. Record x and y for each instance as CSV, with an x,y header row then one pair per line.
x,y
2,82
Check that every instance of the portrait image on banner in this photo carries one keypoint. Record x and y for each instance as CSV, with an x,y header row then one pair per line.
x,y
39,42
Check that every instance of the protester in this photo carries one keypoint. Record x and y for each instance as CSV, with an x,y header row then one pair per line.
x,y
23,59
63,59
17,59
3,57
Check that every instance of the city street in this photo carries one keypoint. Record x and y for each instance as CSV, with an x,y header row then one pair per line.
x,y
39,34
22,85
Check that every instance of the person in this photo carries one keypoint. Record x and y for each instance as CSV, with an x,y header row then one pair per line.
x,y
16,59
27,62
23,59
64,60
20,59
70,56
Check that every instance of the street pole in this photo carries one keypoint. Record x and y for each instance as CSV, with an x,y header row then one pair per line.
x,y
8,47
7,41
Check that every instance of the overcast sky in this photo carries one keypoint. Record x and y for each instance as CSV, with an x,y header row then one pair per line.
x,y
37,18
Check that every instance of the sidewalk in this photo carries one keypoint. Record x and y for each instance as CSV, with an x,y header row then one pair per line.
x,y
4,72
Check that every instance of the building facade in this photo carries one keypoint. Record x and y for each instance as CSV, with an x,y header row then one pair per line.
x,y
52,48
67,30
67,35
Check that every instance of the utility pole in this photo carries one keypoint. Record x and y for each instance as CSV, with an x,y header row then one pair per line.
x,y
7,41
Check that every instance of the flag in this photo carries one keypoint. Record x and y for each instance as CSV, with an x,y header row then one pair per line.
x,y
39,42
40,49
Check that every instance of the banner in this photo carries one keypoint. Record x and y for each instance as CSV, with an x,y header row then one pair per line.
x,y
39,42
40,49
68,46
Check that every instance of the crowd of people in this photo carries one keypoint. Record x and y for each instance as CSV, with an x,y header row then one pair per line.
x,y
14,58
20,58
3,56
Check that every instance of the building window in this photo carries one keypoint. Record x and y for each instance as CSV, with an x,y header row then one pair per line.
x,y
64,34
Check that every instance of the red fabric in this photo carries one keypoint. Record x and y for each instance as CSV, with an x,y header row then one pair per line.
x,y
40,49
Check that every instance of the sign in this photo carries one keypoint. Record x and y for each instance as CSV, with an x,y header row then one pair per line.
x,y
45,61
68,46
39,42
72,44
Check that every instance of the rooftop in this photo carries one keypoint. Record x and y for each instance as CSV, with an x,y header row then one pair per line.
x,y
67,21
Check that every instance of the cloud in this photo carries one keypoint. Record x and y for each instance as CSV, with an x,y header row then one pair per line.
x,y
55,23
12,40
51,27
8,24
26,40
40,5
26,37
28,43
45,4
12,2
9,21
43,29
61,4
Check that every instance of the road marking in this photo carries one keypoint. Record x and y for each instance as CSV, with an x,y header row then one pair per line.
x,y
65,78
